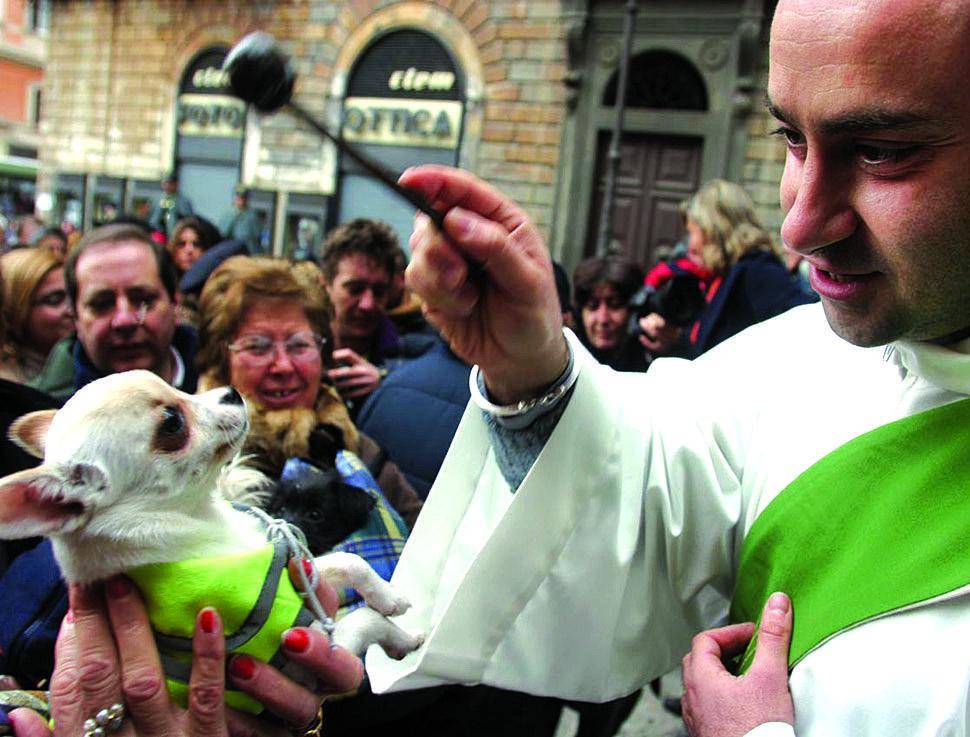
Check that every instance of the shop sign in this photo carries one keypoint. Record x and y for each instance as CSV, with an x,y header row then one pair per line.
x,y
211,115
397,122
210,78
204,75
418,80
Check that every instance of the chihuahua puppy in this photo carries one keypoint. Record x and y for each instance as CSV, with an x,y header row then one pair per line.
x,y
133,476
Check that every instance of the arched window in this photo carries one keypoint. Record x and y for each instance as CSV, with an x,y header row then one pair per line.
x,y
382,67
660,80
404,106
211,127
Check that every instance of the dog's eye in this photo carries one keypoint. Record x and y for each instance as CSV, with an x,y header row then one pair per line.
x,y
173,423
171,435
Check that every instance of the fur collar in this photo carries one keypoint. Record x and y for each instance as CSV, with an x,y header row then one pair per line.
x,y
275,435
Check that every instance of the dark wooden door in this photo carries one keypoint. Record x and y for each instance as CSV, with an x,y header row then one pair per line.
x,y
654,175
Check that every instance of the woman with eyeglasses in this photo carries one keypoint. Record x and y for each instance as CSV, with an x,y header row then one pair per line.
x,y
36,311
264,329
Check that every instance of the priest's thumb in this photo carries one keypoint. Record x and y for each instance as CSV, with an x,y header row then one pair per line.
x,y
774,638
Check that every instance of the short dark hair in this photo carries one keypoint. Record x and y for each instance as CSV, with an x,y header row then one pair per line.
x,y
624,275
371,238
47,232
117,233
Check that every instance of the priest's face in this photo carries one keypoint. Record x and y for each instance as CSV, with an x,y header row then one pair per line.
x,y
871,98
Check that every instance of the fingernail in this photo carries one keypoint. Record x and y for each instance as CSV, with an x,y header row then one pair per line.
x,y
296,641
69,617
778,603
307,567
117,587
208,619
243,667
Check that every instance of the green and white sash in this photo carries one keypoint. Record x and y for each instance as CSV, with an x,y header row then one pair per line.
x,y
878,525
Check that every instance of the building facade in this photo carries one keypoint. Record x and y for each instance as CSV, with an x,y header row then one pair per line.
x,y
23,50
519,92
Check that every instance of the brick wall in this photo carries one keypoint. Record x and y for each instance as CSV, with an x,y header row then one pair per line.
x,y
114,69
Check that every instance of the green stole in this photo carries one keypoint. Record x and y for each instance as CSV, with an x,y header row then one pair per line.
x,y
877,525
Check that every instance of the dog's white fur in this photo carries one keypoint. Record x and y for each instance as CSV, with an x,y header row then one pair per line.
x,y
121,486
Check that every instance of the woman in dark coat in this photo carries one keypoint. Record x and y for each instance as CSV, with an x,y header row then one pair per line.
x,y
748,282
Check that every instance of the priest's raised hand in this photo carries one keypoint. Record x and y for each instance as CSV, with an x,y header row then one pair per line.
x,y
487,283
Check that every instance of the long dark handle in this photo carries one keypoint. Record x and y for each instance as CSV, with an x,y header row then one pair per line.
x,y
372,167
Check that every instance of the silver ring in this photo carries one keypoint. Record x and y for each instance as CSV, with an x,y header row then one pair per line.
x,y
105,721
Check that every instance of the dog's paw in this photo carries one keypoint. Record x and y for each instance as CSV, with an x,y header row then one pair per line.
x,y
400,643
390,603
382,597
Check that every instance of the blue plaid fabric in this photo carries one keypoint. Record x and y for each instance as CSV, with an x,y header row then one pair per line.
x,y
381,540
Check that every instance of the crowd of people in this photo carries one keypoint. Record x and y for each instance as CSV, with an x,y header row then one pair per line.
x,y
666,498
331,357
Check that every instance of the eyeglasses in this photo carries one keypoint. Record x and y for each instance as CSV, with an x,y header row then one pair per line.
x,y
261,349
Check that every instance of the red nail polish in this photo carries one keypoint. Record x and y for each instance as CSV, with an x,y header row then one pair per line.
x,y
296,641
307,567
242,667
207,620
69,617
117,587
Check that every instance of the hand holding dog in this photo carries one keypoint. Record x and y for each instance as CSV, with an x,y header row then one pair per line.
x,y
105,654
337,670
717,704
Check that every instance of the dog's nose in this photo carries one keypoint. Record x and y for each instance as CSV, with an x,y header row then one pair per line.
x,y
231,397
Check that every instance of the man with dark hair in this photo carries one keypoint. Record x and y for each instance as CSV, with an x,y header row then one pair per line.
x,y
122,289
369,238
358,267
591,523
171,206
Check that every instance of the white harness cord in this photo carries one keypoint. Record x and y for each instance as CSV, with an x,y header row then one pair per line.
x,y
278,529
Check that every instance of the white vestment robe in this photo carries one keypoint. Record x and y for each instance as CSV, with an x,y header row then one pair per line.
x,y
623,539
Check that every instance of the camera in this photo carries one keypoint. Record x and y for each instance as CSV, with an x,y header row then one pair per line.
x,y
679,300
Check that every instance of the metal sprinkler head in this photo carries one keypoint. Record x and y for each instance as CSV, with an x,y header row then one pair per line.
x,y
260,73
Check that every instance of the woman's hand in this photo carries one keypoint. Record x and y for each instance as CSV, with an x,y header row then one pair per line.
x,y
487,283
106,655
357,377
659,337
337,670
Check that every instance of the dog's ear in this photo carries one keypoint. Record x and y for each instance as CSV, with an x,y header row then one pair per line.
x,y
37,502
30,431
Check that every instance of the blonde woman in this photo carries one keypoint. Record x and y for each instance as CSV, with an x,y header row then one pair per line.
x,y
36,311
748,282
